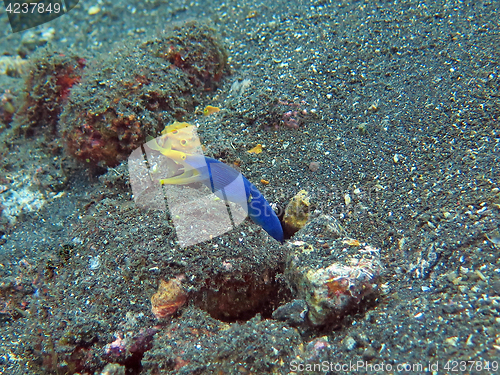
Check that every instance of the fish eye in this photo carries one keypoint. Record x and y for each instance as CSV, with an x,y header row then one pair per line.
x,y
183,142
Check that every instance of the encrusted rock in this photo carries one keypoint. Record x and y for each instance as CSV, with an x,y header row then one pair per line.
x,y
334,275
297,212
113,369
13,66
293,312
168,299
141,89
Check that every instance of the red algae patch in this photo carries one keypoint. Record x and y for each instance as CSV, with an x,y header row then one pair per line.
x,y
51,75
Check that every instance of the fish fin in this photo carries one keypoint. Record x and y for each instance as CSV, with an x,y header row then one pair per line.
x,y
153,145
185,178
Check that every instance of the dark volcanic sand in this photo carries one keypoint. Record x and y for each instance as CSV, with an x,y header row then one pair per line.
x,y
402,102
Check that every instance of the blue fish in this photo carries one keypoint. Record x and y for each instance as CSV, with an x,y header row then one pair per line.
x,y
219,178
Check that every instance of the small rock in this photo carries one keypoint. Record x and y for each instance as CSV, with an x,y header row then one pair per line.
x,y
113,369
169,298
294,312
451,341
349,343
297,212
333,275
94,10
314,166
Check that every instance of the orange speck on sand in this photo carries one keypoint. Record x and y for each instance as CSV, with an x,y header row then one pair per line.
x,y
352,242
251,14
210,110
256,150
264,182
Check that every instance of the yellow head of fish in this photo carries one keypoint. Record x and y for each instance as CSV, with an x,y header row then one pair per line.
x,y
180,136
178,141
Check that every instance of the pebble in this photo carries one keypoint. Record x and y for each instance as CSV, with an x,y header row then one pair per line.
x,y
349,343
293,312
314,166
94,10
